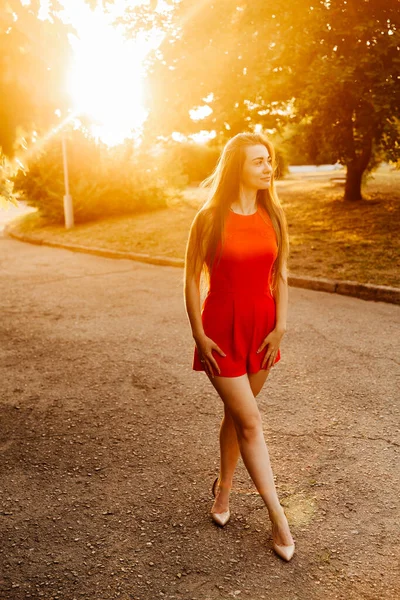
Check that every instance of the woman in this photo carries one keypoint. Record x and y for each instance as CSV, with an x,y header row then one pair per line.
x,y
239,241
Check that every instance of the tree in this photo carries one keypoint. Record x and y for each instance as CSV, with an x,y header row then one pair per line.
x,y
332,67
208,59
350,95
34,54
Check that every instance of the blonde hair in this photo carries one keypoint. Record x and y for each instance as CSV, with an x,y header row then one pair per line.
x,y
209,223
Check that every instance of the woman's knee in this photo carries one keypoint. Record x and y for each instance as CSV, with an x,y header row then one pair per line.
x,y
240,405
249,427
228,416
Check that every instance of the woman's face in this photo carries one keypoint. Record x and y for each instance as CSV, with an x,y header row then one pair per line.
x,y
257,168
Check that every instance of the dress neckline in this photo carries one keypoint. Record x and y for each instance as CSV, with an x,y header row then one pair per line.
x,y
240,215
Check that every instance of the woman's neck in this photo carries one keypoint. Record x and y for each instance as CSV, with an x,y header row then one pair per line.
x,y
246,204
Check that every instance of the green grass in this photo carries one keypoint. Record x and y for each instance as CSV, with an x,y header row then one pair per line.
x,y
329,238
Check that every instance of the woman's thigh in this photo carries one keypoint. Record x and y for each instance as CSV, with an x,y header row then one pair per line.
x,y
257,380
238,398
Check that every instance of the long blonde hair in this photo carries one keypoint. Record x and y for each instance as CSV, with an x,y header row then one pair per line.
x,y
224,183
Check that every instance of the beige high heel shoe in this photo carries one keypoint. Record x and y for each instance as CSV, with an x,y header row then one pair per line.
x,y
285,552
220,519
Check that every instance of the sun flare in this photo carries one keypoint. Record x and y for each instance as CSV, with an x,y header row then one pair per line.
x,y
106,78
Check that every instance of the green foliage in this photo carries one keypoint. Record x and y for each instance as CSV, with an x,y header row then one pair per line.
x,y
196,161
302,148
281,160
348,95
331,67
6,184
6,191
164,160
33,57
103,181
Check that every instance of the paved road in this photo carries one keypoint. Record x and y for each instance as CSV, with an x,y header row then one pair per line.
x,y
109,442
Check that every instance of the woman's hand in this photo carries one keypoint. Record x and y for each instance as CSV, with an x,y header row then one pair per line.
x,y
273,341
205,346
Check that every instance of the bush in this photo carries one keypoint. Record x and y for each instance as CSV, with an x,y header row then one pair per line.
x,y
282,168
103,181
6,186
195,161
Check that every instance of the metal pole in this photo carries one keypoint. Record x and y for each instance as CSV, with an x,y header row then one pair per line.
x,y
68,208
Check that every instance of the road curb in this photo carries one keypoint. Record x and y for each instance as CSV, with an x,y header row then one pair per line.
x,y
364,291
148,258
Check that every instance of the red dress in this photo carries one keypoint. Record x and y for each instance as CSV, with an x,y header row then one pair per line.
x,y
239,309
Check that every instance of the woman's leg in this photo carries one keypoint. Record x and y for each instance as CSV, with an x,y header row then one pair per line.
x,y
237,395
257,381
229,455
229,446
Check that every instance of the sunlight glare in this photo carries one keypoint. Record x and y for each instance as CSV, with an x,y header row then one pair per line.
x,y
200,112
106,79
203,136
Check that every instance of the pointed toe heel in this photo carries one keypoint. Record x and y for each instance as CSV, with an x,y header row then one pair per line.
x,y
285,552
220,519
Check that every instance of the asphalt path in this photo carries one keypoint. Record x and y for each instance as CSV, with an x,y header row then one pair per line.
x,y
109,442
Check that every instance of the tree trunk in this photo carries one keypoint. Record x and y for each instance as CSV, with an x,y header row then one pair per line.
x,y
355,170
352,190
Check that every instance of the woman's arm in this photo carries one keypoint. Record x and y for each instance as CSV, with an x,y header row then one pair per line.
x,y
193,267
192,304
274,337
281,301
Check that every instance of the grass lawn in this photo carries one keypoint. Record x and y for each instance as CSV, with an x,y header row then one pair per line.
x,y
329,238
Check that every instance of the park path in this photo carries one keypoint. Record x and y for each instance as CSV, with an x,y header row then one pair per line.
x,y
11,212
109,443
